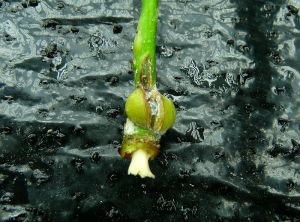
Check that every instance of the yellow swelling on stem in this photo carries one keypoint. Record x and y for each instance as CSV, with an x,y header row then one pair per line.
x,y
149,113
153,110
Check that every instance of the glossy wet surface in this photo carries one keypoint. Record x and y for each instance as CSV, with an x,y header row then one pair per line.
x,y
232,69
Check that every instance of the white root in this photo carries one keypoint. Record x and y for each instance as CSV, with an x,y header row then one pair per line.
x,y
139,164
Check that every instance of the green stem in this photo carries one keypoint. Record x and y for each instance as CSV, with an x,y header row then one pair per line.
x,y
144,47
149,113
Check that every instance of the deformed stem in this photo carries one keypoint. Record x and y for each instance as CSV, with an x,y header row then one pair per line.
x,y
149,114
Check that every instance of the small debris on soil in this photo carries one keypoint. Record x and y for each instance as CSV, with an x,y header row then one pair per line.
x,y
50,23
117,29
74,29
33,3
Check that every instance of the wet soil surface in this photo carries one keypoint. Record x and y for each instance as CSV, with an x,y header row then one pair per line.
x,y
232,69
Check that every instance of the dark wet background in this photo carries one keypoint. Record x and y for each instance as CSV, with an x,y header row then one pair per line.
x,y
232,69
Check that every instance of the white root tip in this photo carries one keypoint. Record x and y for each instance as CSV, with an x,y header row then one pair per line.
x,y
139,164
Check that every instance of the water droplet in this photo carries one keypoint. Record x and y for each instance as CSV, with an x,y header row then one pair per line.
x,y
283,123
31,139
6,198
276,58
95,157
113,113
50,51
3,178
112,80
43,112
13,213
185,173
99,109
101,45
194,133
116,144
60,5
279,90
165,51
191,69
78,164
78,196
6,130
219,155
40,177
295,151
248,108
290,184
9,99
277,149
165,205
163,160
78,130
216,124
113,177
78,99
114,213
